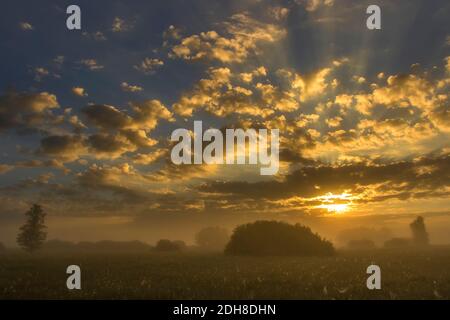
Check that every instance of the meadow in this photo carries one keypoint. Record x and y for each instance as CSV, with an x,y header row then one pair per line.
x,y
405,275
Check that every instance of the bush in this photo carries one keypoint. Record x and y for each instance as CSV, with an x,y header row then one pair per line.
x,y
165,245
264,238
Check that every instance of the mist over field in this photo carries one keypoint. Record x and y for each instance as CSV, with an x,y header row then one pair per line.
x,y
135,147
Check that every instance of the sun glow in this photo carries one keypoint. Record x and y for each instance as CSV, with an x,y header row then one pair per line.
x,y
337,203
337,208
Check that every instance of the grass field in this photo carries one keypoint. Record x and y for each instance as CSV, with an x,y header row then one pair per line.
x,y
405,275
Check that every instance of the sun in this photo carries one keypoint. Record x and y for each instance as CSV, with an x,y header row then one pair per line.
x,y
336,208
329,202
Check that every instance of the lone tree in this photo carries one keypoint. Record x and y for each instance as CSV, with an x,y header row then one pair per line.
x,y
263,238
32,234
419,232
212,238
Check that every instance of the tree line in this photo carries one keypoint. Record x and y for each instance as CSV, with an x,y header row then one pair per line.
x,y
260,238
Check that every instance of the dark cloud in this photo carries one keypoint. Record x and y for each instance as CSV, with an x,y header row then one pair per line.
x,y
26,110
68,147
426,174
106,117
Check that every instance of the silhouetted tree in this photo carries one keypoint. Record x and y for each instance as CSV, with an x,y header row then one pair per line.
x,y
2,247
168,245
419,232
277,238
212,238
32,234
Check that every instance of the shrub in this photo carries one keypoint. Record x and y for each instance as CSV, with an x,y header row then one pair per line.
x,y
277,238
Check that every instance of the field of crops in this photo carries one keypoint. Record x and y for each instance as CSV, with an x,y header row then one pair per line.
x,y
405,275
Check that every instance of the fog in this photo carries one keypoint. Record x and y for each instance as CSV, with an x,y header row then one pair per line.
x,y
149,229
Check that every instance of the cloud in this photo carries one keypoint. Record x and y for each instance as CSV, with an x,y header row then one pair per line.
x,y
279,13
26,26
334,122
241,36
106,117
313,5
58,61
5,168
40,73
147,114
204,93
145,117
172,33
36,163
119,184
249,76
406,90
106,145
254,93
120,25
97,35
149,66
120,132
175,173
80,92
130,88
90,64
101,145
149,158
366,182
65,147
221,95
447,63
309,85
26,110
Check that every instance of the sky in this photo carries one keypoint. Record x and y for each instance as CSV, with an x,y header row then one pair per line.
x,y
86,115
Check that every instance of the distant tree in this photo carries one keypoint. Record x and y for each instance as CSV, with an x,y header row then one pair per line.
x,y
2,247
212,238
277,238
419,232
32,234
165,245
